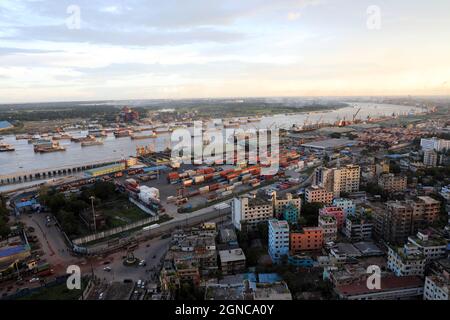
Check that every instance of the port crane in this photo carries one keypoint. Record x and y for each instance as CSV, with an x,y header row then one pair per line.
x,y
356,114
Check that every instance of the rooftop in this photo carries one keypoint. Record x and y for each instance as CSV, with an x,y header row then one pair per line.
x,y
231,255
389,283
329,144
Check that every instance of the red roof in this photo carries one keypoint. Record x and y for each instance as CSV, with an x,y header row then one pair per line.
x,y
389,283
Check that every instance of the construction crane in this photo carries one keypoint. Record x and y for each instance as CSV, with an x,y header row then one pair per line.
x,y
357,112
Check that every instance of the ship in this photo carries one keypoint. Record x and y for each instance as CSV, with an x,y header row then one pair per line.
x,y
44,146
91,143
121,133
82,139
98,133
6,147
23,137
143,136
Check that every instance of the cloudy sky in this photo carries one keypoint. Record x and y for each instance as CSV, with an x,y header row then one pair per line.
x,y
136,49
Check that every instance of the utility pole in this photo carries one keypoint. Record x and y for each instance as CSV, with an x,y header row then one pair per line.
x,y
93,213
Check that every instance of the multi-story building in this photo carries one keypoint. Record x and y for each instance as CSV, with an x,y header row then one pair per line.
x,y
280,202
401,219
278,240
430,158
335,212
347,206
392,183
316,194
437,287
323,177
232,261
406,261
290,213
346,179
435,144
432,246
358,227
329,226
250,211
391,288
306,239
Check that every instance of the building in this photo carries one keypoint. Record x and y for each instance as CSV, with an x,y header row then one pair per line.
x,y
128,115
346,179
382,168
392,183
272,291
329,226
101,171
323,177
335,212
391,288
436,288
435,144
329,144
306,239
430,158
280,202
232,261
290,213
347,206
432,246
406,261
401,219
358,227
316,194
228,236
250,211
300,261
278,240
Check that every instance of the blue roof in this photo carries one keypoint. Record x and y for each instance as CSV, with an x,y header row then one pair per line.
x,y
25,203
269,277
157,168
13,250
5,124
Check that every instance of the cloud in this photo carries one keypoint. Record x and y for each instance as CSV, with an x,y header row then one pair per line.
x,y
292,16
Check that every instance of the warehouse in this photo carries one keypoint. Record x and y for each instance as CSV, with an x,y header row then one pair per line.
x,y
329,144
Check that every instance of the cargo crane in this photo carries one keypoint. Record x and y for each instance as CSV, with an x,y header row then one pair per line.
x,y
355,115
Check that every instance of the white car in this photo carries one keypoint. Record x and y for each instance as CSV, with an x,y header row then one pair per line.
x,y
34,280
107,269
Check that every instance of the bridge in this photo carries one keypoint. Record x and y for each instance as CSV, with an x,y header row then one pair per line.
x,y
45,173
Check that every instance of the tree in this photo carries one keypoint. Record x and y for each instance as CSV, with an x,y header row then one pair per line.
x,y
310,213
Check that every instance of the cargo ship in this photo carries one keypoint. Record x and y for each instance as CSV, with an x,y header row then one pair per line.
x,y
143,136
44,146
91,143
82,139
98,133
6,147
121,133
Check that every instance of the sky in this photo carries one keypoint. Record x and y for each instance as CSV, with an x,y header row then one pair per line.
x,y
151,49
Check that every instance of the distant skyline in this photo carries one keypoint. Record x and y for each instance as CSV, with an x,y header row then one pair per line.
x,y
174,49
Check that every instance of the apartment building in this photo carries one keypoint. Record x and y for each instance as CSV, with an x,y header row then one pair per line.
x,y
435,144
406,261
280,202
306,239
316,194
432,246
436,288
430,158
358,227
278,240
335,212
329,226
347,206
392,183
401,219
250,211
346,179
323,177
232,261
290,213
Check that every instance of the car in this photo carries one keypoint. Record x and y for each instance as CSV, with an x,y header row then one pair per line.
x,y
34,280
101,295
107,269
142,263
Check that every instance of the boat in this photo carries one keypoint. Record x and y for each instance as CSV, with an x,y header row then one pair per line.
x,y
98,133
91,143
82,139
121,133
46,145
143,136
6,147
23,137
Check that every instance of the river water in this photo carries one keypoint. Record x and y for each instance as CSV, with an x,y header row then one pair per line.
x,y
25,159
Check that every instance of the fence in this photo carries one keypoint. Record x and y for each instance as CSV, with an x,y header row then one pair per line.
x,y
114,231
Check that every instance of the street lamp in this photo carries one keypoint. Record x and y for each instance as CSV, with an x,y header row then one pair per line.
x,y
93,213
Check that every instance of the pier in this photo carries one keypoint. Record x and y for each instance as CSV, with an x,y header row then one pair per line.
x,y
39,174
